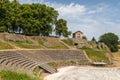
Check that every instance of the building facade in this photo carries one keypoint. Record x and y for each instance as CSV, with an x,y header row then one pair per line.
x,y
78,34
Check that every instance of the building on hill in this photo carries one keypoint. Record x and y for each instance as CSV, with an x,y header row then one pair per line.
x,y
80,42
78,39
78,34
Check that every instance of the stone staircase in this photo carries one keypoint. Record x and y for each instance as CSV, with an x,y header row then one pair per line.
x,y
48,68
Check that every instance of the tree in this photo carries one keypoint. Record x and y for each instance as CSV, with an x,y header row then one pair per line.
x,y
94,40
84,37
111,40
3,14
30,19
61,28
37,19
119,42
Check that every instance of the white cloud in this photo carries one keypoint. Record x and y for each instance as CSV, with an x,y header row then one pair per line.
x,y
71,10
32,1
99,8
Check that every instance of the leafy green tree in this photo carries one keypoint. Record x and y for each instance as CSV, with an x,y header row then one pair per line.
x,y
39,19
30,19
119,42
84,37
14,15
2,28
61,28
3,14
111,40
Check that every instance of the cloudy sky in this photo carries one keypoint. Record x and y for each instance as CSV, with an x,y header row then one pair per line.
x,y
92,17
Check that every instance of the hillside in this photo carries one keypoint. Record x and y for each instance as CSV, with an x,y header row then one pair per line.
x,y
17,41
38,54
10,41
116,58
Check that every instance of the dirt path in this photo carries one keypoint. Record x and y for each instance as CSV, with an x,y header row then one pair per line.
x,y
116,58
70,47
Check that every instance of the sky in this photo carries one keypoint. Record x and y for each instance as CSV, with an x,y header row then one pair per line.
x,y
92,17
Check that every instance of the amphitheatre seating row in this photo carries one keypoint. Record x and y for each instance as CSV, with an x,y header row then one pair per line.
x,y
44,56
28,60
15,61
14,37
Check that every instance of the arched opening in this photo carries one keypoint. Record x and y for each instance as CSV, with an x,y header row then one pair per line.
x,y
75,44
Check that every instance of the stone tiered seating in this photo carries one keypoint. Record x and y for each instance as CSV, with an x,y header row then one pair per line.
x,y
28,60
15,61
44,56
14,37
37,55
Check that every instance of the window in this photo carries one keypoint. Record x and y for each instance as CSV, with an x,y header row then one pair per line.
x,y
78,35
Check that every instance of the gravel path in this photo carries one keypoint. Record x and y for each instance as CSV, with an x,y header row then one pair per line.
x,y
82,73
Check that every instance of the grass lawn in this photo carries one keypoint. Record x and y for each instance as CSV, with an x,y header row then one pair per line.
x,y
27,45
116,58
117,54
96,55
119,46
68,41
10,75
5,46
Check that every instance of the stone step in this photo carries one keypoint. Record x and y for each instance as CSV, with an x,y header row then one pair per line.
x,y
10,61
48,68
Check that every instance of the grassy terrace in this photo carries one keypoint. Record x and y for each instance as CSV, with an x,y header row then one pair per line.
x,y
27,45
96,55
66,63
50,43
9,75
68,41
4,45
119,46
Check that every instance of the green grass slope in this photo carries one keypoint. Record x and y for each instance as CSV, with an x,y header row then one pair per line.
x,y
96,55
18,41
10,75
5,45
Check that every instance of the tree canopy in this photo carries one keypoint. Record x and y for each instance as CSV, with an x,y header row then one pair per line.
x,y
111,40
61,28
28,19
